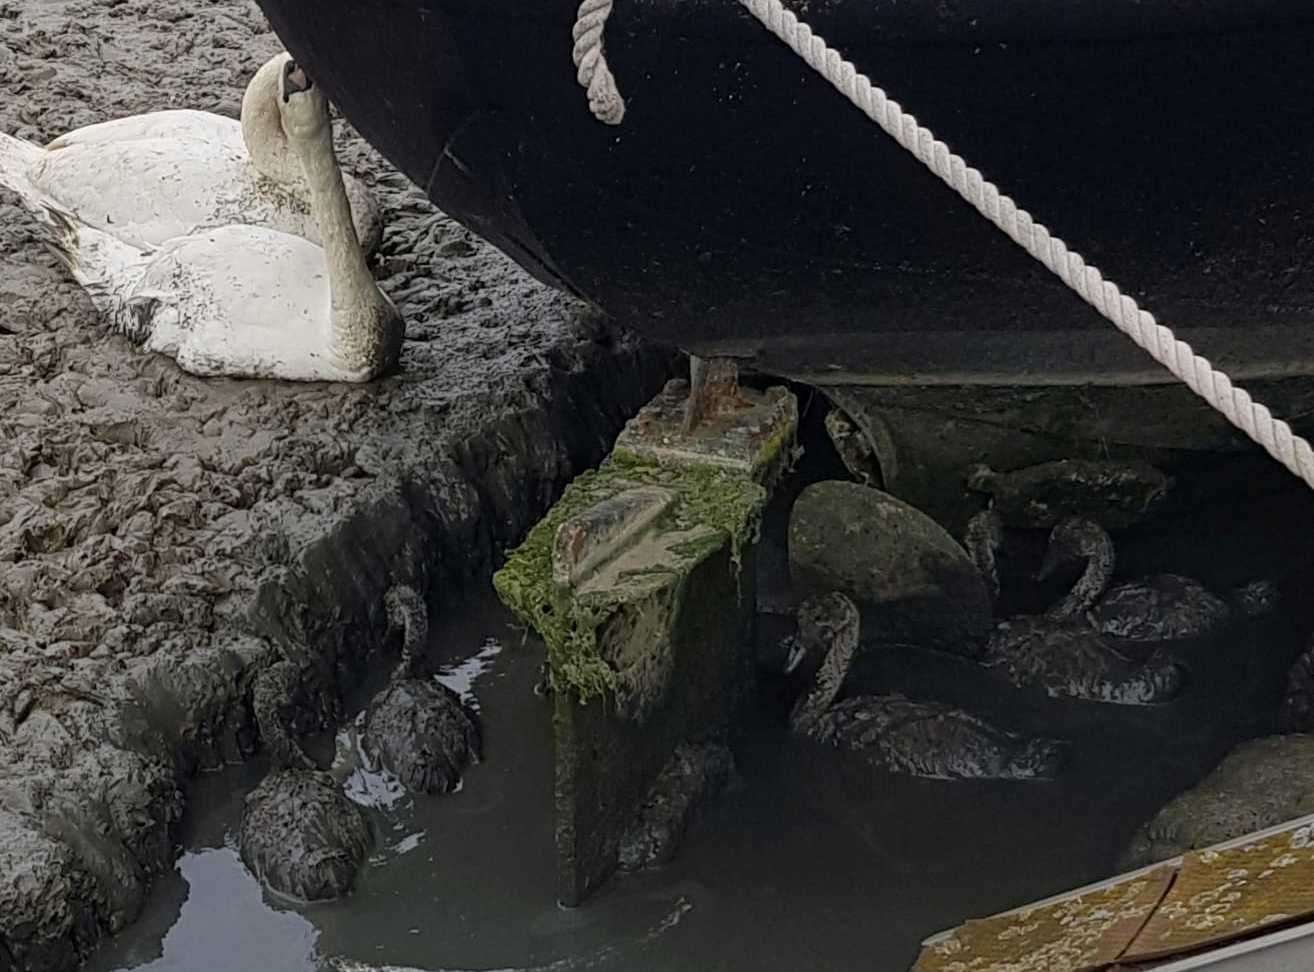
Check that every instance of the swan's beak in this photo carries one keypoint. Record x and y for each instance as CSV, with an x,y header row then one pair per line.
x,y
1061,556
797,652
1054,559
295,80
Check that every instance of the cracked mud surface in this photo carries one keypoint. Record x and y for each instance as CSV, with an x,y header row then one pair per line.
x,y
161,536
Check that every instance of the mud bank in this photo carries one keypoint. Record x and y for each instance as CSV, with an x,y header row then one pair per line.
x,y
161,537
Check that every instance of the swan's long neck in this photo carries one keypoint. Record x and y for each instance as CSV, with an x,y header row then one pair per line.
x,y
406,610
837,636
262,127
285,752
271,702
982,539
350,280
1095,547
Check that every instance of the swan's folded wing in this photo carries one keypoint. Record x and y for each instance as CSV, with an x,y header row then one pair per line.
x,y
148,191
241,300
110,175
173,123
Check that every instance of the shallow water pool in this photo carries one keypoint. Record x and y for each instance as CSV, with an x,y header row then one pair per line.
x,y
814,861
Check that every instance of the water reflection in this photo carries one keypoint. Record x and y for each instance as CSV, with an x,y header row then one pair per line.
x,y
814,862
221,923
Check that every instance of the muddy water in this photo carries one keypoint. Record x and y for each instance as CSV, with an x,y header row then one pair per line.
x,y
813,862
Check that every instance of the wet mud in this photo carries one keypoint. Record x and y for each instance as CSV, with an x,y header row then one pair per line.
x,y
162,538
813,859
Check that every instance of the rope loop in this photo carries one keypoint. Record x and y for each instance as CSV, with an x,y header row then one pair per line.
x,y
591,69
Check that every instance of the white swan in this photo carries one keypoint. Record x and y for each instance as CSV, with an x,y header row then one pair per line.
x,y
242,300
152,177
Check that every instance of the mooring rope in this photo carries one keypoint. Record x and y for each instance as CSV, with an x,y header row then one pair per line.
x,y
591,68
1197,372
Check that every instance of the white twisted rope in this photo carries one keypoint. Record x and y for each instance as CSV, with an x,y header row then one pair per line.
x,y
591,68
1215,387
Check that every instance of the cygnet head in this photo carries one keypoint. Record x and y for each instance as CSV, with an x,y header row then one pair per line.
x,y
1257,598
823,650
301,104
980,478
1075,540
1080,541
800,656
827,624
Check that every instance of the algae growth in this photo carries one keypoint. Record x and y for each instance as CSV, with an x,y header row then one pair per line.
x,y
729,502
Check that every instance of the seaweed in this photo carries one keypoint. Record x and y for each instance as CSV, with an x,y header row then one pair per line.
x,y
727,501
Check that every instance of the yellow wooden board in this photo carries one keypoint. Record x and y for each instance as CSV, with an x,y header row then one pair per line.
x,y
1220,895
1073,935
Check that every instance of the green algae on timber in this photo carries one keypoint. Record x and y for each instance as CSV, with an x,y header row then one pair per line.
x,y
728,502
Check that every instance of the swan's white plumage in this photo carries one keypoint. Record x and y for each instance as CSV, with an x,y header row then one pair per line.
x,y
149,190
238,299
148,178
244,299
167,123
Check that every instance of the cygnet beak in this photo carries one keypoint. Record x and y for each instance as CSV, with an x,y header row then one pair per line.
x,y
1054,558
797,652
1059,554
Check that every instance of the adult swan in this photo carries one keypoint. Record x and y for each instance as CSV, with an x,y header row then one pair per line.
x,y
151,177
242,300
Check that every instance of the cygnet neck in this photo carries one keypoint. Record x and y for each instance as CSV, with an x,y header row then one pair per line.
x,y
406,610
837,636
1092,545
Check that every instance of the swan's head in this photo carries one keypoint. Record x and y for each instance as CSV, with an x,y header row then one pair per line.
x,y
827,629
301,104
824,648
1256,599
981,478
1075,541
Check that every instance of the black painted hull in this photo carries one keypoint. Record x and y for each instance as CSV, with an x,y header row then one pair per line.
x,y
744,208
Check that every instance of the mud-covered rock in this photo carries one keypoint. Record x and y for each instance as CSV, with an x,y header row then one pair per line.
x,y
47,917
84,765
909,576
302,837
1261,783
695,775
116,811
105,818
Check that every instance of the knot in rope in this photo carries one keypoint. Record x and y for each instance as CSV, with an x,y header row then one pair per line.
x,y
592,72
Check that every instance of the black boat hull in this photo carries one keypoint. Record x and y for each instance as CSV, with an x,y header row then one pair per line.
x,y
744,208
